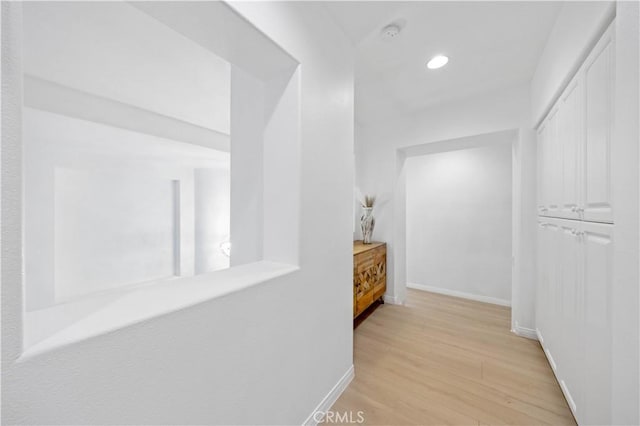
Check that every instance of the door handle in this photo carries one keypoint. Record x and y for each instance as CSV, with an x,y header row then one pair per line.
x,y
578,234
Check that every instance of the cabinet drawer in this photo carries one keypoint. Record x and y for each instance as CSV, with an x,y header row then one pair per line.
x,y
379,289
364,301
363,261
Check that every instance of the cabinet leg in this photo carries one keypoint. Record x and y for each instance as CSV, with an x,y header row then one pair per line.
x,y
382,300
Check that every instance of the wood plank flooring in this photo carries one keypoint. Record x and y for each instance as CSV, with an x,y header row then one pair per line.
x,y
445,360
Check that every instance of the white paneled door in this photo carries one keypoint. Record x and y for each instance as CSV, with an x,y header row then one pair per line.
x,y
573,315
553,157
570,355
569,140
541,169
597,247
596,181
574,143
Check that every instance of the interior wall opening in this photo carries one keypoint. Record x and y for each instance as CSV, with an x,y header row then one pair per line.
x,y
459,222
159,147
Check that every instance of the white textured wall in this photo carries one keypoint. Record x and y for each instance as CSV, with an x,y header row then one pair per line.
x,y
459,221
265,355
578,25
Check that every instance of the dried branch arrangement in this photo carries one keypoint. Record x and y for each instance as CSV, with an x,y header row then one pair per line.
x,y
368,201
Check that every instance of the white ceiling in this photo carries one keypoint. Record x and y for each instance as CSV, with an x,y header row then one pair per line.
x,y
491,45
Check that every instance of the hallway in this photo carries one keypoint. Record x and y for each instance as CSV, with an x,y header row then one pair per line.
x,y
198,199
444,360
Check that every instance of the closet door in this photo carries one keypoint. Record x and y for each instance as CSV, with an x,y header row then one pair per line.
x,y
569,350
543,288
570,120
541,160
549,277
597,272
553,168
598,80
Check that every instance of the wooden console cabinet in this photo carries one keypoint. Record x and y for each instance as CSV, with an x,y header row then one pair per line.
x,y
369,274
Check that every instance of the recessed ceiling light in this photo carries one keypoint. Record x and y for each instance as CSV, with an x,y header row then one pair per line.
x,y
437,61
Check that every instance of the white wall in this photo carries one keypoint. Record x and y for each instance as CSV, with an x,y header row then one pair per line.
x,y
459,221
578,25
380,171
211,186
107,207
246,162
112,50
625,303
266,355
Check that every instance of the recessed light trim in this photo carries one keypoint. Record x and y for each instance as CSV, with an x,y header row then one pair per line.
x,y
437,61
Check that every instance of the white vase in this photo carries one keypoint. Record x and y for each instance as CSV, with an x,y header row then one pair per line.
x,y
367,222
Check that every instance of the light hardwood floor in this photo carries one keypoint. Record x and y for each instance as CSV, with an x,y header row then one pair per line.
x,y
444,360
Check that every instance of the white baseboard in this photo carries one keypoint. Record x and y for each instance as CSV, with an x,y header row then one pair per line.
x,y
392,300
529,333
461,294
563,386
331,398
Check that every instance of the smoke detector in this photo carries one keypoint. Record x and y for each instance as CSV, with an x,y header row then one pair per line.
x,y
390,32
